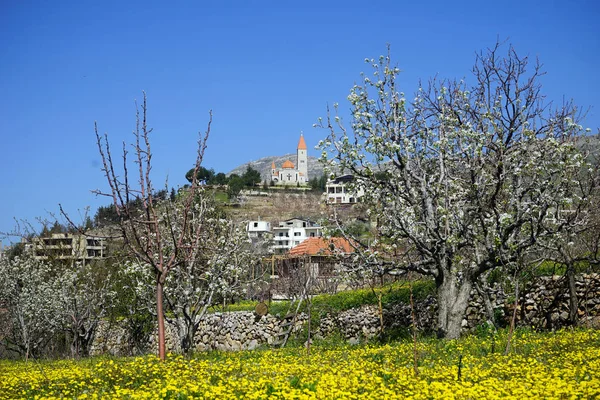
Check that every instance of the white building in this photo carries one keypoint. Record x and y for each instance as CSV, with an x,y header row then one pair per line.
x,y
292,232
338,191
290,174
258,228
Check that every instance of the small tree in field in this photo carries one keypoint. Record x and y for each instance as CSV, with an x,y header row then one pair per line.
x,y
148,232
461,180
215,271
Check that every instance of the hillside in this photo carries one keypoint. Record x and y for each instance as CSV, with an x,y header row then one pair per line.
x,y
279,206
263,165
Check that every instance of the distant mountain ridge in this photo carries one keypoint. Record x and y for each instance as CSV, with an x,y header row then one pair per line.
x,y
263,165
589,144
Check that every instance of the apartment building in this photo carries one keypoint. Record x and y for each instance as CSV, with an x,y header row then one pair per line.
x,y
69,247
292,232
337,191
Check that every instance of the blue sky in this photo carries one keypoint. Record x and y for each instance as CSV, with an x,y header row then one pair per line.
x,y
267,69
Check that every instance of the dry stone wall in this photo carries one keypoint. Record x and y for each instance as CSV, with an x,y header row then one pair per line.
x,y
544,303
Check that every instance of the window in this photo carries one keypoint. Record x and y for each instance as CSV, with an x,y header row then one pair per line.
x,y
296,233
256,224
312,234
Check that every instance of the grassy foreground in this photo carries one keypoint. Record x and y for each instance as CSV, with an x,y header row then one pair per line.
x,y
560,365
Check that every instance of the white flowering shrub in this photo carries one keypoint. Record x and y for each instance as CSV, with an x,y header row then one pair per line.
x,y
45,302
30,295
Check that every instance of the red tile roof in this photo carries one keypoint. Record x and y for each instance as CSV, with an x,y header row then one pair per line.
x,y
288,164
318,246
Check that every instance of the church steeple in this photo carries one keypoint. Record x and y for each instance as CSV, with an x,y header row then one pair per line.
x,y
302,163
301,143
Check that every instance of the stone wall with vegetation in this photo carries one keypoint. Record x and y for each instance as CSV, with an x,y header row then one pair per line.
x,y
544,303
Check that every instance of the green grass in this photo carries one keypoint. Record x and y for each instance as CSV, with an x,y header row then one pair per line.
x,y
397,292
221,197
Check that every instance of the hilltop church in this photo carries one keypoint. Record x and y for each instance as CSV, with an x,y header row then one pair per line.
x,y
290,174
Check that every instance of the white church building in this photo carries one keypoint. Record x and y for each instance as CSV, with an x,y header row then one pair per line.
x,y
290,174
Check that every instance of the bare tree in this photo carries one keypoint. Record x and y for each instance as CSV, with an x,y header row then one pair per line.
x,y
216,273
462,179
141,221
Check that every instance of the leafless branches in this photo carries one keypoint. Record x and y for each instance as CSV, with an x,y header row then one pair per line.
x,y
141,216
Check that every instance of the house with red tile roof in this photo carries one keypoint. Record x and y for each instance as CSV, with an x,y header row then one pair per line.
x,y
316,257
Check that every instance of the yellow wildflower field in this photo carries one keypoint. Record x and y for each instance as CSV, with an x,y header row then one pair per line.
x,y
559,365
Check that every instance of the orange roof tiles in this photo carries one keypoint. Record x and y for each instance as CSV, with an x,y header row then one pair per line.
x,y
318,246
272,164
288,164
301,143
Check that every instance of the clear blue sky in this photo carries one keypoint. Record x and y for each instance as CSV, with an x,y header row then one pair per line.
x,y
267,69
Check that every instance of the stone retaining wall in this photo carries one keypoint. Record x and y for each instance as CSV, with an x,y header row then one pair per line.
x,y
543,304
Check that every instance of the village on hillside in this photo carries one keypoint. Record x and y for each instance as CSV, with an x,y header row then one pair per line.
x,y
283,222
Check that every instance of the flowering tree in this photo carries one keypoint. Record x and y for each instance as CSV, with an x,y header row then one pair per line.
x,y
85,295
29,292
460,180
577,238
43,299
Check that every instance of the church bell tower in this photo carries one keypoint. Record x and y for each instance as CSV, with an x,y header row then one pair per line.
x,y
302,160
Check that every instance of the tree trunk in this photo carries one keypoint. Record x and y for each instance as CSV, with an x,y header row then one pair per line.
x,y
186,329
484,291
573,300
453,300
161,318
